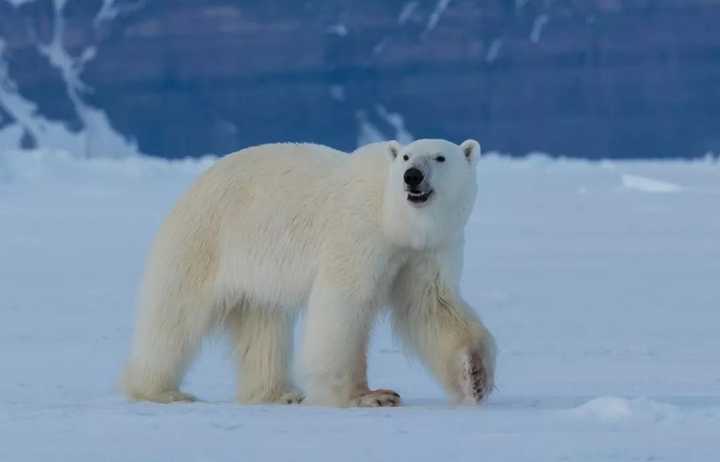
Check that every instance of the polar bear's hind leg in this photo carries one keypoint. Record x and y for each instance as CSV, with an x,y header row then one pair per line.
x,y
167,339
262,339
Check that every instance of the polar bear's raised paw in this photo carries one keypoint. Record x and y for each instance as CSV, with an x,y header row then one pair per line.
x,y
378,398
476,382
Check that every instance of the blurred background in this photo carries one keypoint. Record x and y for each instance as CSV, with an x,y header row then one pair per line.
x,y
578,78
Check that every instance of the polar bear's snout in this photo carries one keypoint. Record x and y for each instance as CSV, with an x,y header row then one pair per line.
x,y
413,177
417,186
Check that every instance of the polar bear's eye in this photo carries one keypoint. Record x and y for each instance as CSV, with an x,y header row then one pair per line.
x,y
440,158
405,157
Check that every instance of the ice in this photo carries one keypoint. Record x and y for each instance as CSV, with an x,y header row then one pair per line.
x,y
650,185
604,304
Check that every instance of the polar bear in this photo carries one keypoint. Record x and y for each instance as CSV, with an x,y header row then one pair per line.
x,y
275,230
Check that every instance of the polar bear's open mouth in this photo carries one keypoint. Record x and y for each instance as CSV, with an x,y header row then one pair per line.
x,y
418,197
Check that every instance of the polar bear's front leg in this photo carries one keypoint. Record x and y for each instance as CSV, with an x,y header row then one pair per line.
x,y
337,330
436,323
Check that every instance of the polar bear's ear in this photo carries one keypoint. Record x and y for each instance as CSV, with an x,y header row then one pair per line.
x,y
471,150
393,149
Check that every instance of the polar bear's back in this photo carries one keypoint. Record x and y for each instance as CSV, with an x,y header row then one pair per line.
x,y
288,155
255,217
267,164
262,173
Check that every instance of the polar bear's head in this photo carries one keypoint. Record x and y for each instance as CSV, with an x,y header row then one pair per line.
x,y
431,188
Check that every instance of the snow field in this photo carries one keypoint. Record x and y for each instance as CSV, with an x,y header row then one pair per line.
x,y
599,280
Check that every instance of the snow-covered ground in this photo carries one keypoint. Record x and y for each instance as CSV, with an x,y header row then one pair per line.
x,y
601,282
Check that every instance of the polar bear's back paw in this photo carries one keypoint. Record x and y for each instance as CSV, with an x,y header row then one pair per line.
x,y
378,398
165,397
291,397
273,396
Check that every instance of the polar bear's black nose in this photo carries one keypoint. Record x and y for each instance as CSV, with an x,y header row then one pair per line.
x,y
413,177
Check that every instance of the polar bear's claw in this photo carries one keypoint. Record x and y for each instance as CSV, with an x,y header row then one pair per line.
x,y
378,398
292,397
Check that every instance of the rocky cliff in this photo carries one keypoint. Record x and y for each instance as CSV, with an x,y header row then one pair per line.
x,y
588,78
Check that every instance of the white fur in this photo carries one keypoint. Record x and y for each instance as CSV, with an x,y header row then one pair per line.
x,y
276,229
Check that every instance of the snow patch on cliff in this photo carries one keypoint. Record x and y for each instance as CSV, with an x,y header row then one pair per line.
x,y
369,132
97,138
437,13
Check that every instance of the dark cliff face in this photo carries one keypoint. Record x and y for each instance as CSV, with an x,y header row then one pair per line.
x,y
592,78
